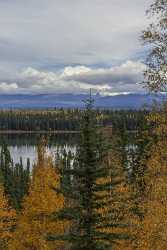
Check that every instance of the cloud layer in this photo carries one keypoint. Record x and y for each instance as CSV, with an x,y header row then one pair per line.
x,y
125,78
70,44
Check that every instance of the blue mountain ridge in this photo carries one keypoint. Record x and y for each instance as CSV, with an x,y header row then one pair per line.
x,y
27,101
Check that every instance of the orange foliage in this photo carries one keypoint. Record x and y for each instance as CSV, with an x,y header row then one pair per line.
x,y
35,221
7,220
153,233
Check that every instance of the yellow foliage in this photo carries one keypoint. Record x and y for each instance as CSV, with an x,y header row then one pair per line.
x,y
153,229
7,220
35,221
117,199
154,226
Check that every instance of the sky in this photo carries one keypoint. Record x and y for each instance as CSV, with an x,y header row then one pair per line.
x,y
70,46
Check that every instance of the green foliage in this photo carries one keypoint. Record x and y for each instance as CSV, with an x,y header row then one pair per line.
x,y
14,177
90,188
68,119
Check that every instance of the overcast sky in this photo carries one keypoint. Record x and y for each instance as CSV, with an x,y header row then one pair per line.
x,y
70,46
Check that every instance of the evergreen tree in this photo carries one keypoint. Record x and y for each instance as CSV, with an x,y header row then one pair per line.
x,y
6,168
96,224
20,179
66,163
15,178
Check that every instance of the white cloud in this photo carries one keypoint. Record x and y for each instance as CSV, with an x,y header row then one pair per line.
x,y
8,88
79,79
38,76
77,70
38,81
128,72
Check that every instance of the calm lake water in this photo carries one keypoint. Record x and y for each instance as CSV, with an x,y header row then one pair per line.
x,y
25,145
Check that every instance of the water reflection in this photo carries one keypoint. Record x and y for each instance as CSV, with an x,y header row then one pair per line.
x,y
25,145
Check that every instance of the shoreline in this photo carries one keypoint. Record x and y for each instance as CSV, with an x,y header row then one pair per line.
x,y
38,132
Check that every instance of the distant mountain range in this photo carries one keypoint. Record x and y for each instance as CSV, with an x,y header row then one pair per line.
x,y
130,101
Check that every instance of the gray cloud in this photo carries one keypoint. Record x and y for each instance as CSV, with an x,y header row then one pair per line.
x,y
128,73
40,34
79,79
82,32
8,87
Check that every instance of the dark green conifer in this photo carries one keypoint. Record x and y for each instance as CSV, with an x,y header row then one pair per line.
x,y
15,177
89,192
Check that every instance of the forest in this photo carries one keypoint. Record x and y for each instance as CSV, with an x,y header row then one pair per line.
x,y
67,119
111,194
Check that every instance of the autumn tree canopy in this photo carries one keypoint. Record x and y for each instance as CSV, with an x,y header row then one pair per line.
x,y
35,220
153,227
7,220
156,37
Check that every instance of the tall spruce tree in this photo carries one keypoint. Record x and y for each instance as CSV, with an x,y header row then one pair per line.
x,y
93,218
5,166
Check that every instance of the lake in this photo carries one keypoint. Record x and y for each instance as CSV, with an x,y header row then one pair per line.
x,y
25,145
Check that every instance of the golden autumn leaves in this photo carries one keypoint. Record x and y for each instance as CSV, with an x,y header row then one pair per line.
x,y
154,225
35,221
7,220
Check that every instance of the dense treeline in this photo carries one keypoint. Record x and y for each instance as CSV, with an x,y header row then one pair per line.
x,y
59,139
67,119
14,176
39,120
102,197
